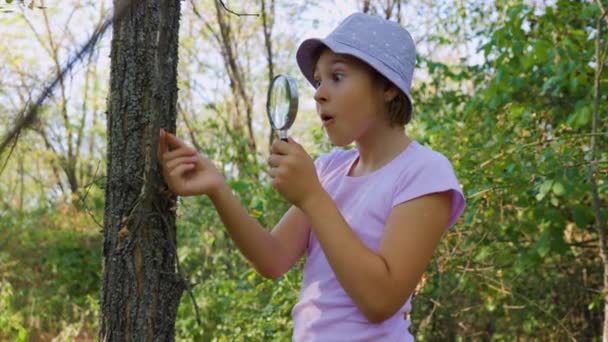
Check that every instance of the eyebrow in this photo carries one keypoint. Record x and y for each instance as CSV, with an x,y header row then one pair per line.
x,y
335,60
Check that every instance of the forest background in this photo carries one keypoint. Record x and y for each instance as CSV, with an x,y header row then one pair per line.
x,y
513,92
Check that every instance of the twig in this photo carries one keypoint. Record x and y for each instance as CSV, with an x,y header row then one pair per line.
x,y
508,291
536,143
237,14
84,198
602,9
196,11
9,156
181,111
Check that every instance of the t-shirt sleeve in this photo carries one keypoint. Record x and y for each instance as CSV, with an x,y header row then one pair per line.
x,y
433,175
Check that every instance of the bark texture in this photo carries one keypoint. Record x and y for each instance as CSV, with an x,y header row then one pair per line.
x,y
141,286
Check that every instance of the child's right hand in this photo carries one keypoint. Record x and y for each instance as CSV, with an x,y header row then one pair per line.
x,y
186,171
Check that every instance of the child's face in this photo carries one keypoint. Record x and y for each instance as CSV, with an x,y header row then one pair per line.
x,y
350,100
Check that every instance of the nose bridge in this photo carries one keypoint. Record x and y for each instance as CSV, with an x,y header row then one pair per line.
x,y
321,93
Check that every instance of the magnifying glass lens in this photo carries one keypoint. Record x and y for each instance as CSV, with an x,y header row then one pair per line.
x,y
282,104
279,103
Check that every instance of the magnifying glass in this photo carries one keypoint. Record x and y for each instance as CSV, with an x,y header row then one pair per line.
x,y
282,104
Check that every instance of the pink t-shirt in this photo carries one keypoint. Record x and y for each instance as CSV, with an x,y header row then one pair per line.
x,y
324,311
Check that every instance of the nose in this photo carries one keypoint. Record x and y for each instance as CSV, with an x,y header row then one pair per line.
x,y
320,94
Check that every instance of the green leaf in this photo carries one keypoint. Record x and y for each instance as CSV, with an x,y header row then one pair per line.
x,y
544,189
551,83
510,168
484,253
541,51
515,10
542,245
558,188
595,302
584,117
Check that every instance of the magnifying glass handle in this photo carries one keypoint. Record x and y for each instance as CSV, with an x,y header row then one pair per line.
x,y
283,135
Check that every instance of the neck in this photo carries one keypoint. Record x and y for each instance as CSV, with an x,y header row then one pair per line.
x,y
377,150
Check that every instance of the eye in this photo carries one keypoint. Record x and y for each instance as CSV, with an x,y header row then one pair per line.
x,y
316,83
337,76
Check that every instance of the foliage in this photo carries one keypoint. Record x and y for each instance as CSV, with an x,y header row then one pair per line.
x,y
520,143
11,320
522,264
50,263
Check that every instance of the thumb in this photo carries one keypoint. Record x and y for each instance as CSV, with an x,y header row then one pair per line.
x,y
292,142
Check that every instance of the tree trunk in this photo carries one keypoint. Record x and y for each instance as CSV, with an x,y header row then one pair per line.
x,y
141,286
236,74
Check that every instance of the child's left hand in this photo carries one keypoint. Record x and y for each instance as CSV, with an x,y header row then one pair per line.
x,y
293,172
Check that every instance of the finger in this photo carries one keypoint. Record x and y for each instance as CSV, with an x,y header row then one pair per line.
x,y
180,152
294,144
174,142
280,147
275,159
179,170
272,172
173,163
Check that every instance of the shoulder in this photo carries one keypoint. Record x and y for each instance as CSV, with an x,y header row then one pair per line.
x,y
424,158
425,171
420,161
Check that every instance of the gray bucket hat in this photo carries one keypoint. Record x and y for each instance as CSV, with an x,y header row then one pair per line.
x,y
382,44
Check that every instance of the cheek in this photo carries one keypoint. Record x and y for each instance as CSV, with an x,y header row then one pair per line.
x,y
355,102
363,107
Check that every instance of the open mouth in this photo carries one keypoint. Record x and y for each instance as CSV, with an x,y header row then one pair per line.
x,y
326,119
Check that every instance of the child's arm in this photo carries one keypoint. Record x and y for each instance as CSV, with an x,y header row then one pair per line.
x,y
189,173
379,283
271,253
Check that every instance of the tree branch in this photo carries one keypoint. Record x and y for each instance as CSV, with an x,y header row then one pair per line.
x,y
602,9
267,24
180,110
517,149
28,116
237,14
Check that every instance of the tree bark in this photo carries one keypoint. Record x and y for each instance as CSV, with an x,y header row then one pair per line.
x,y
141,286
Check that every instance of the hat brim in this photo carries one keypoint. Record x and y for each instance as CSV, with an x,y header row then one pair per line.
x,y
306,58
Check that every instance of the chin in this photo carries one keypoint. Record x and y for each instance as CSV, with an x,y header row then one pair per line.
x,y
340,142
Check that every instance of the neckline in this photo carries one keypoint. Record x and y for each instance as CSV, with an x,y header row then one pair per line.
x,y
380,169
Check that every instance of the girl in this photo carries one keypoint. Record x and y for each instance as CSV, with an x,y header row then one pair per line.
x,y
367,219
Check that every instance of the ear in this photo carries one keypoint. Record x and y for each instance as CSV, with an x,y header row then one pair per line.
x,y
390,93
